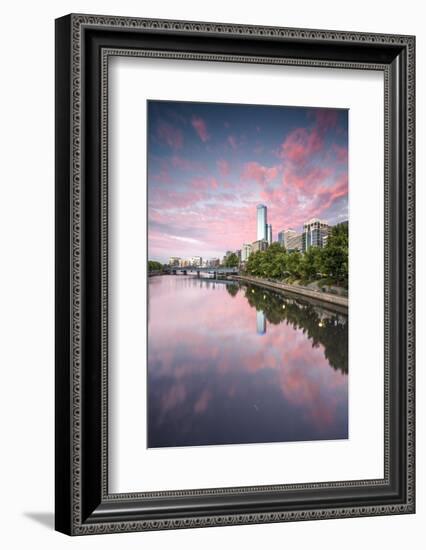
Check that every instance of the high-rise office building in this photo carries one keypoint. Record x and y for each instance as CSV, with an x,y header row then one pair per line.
x,y
284,235
259,246
245,252
261,214
269,233
174,260
314,232
196,261
213,262
184,262
294,242
290,240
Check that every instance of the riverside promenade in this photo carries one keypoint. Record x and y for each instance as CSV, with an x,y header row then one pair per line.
x,y
295,289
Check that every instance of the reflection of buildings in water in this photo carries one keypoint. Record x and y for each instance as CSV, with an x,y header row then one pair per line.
x,y
333,317
323,315
206,282
322,326
260,322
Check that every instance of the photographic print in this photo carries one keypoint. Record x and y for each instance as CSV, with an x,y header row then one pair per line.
x,y
248,239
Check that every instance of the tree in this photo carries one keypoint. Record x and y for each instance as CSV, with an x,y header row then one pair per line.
x,y
232,289
294,261
273,249
253,263
334,260
279,265
154,266
231,260
311,263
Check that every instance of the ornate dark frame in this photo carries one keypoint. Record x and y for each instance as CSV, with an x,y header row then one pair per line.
x,y
83,46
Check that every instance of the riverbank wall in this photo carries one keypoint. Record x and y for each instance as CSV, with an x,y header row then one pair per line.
x,y
339,301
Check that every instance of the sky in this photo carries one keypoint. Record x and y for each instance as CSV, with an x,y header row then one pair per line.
x,y
210,164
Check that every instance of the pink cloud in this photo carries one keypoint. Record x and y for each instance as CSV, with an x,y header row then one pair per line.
x,y
204,183
223,166
200,127
326,119
175,395
327,196
259,173
340,153
215,223
300,145
305,181
202,402
233,142
162,177
170,135
304,194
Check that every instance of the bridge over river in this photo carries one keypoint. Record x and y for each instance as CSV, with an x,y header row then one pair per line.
x,y
198,270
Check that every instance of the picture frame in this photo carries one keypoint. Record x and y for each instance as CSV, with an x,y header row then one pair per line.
x,y
83,503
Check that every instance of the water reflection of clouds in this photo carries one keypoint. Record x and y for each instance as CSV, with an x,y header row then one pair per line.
x,y
205,355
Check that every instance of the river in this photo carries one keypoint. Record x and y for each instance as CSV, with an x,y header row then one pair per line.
x,y
231,363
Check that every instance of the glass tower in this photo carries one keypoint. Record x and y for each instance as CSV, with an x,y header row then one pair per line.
x,y
261,222
269,233
260,322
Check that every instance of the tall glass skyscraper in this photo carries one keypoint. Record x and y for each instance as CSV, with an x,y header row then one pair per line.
x,y
269,233
262,232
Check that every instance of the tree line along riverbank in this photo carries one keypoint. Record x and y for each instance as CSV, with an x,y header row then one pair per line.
x,y
319,267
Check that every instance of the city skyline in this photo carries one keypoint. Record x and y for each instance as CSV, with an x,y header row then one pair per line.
x,y
211,165
315,233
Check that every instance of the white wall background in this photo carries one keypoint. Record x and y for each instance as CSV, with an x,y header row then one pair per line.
x,y
26,289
